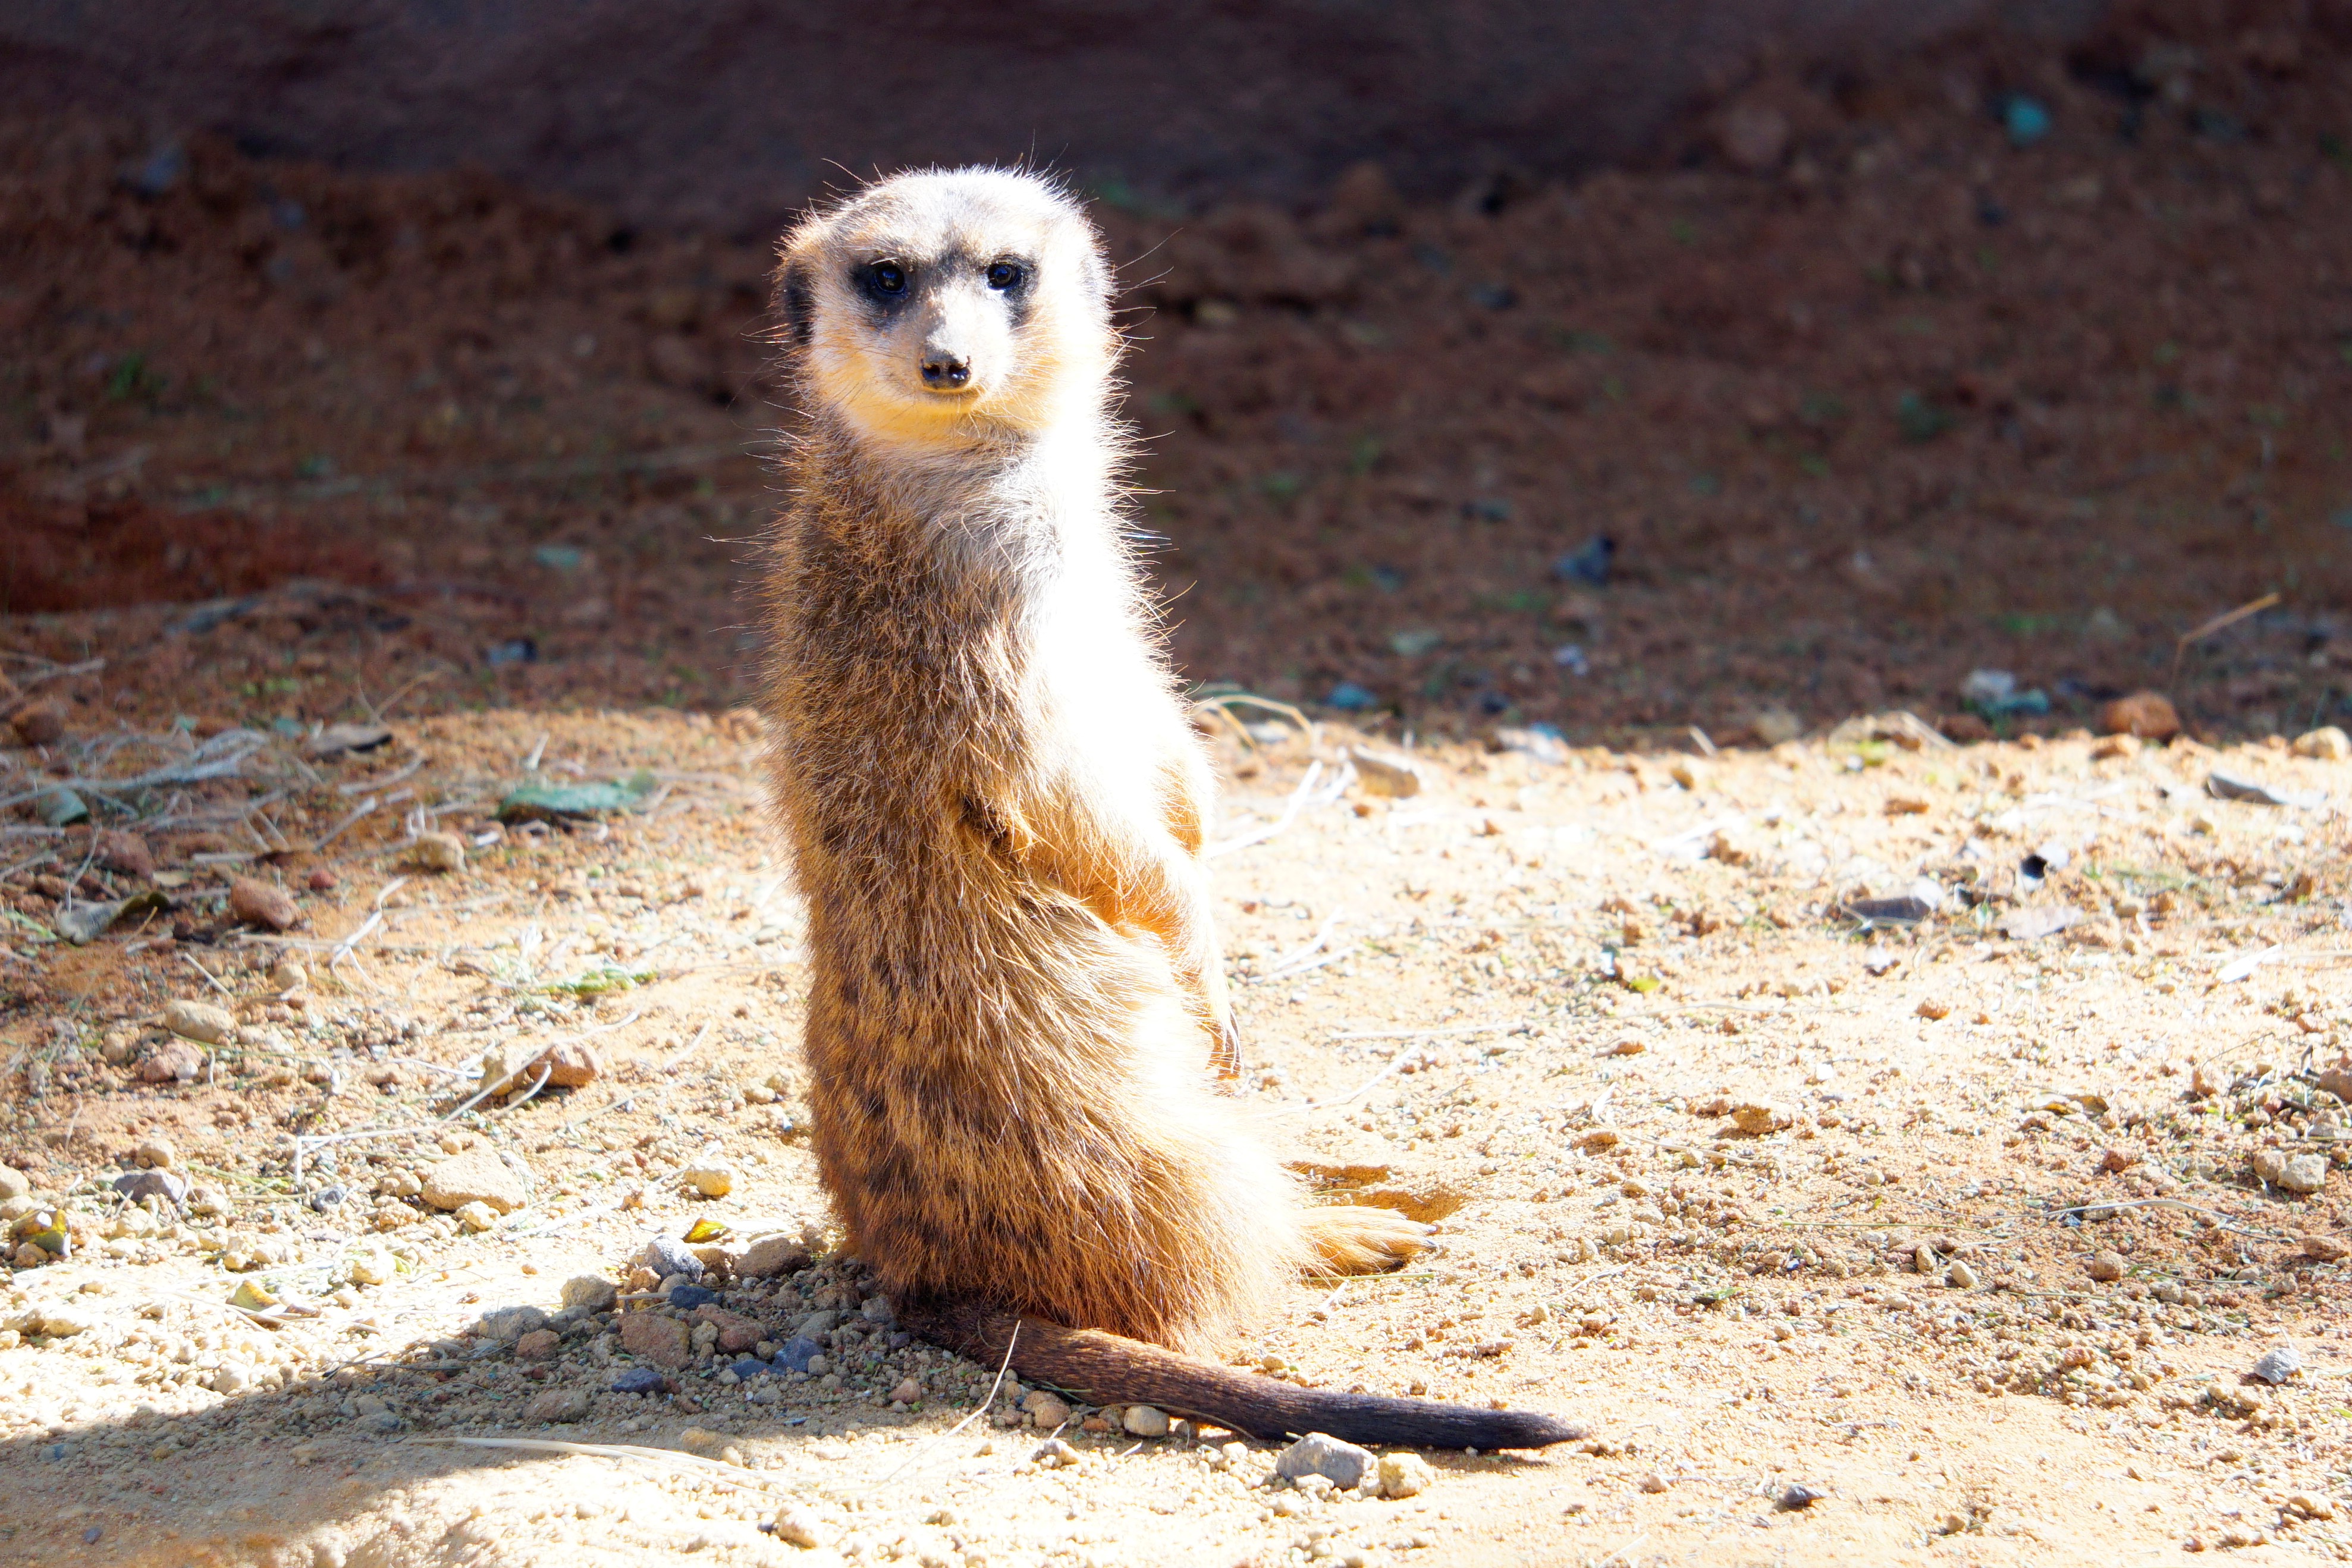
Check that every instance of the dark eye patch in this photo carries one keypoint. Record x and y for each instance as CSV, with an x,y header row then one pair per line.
x,y
1006,275
884,280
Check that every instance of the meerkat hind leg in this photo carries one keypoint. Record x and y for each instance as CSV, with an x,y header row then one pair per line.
x,y
1356,1239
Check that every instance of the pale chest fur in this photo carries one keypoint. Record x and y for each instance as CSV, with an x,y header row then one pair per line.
x,y
1043,659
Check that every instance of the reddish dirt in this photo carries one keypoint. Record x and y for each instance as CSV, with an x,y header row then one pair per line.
x,y
1906,401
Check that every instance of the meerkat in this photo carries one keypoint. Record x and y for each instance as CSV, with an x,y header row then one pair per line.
x,y
994,800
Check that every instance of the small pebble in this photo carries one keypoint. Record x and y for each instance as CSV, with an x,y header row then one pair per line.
x,y
155,1153
771,1256
199,1021
173,1061
588,1292
2279,1363
666,1255
797,1526
1406,1475
691,1296
2327,745
797,1354
439,852
1796,1495
566,1404
1343,1465
474,1176
714,1178
38,723
639,1380
255,903
507,1324
2108,1267
170,1186
2291,1172
1145,1421
908,1392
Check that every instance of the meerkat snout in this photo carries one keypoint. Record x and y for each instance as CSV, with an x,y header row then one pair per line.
x,y
945,369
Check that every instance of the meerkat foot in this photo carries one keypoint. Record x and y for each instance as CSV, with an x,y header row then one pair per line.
x,y
1359,1239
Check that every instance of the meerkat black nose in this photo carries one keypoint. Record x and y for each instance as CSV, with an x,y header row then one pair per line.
x,y
947,370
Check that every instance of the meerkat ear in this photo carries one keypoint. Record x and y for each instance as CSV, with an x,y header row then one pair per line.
x,y
796,301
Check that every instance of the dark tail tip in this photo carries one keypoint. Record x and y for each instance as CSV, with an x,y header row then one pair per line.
x,y
1532,1429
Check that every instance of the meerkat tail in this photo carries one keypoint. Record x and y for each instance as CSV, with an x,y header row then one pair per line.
x,y
1106,1369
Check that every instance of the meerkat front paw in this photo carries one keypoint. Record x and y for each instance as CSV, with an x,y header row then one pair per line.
x,y
1350,1238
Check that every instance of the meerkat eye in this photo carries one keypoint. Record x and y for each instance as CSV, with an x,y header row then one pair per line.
x,y
1004,274
888,276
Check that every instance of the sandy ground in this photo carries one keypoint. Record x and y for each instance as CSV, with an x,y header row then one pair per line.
x,y
1539,999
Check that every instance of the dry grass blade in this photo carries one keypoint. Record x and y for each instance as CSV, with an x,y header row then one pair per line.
x,y
1289,815
2220,622
1441,1033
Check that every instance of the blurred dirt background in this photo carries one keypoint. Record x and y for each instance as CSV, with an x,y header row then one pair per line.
x,y
2005,356
337,506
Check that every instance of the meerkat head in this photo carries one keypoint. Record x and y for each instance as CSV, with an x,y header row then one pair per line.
x,y
946,309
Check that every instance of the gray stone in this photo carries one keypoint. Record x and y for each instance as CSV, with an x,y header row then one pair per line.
x,y
2279,1363
169,1185
797,1352
1344,1464
666,1255
507,1324
558,1405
